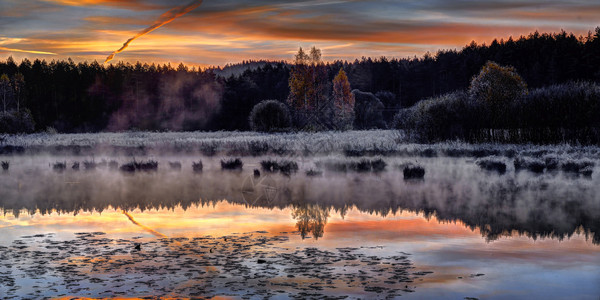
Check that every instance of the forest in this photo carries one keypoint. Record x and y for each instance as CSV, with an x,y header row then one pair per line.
x,y
557,68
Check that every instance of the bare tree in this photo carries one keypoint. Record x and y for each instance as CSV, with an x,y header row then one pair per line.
x,y
4,89
18,82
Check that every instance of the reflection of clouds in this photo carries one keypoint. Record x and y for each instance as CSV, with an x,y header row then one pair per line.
x,y
535,206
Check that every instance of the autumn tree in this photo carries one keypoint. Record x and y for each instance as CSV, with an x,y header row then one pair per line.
x,y
343,100
308,87
496,87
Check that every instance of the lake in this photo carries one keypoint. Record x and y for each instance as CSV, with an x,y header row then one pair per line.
x,y
336,226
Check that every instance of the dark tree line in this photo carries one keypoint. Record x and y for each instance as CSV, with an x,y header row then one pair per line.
x,y
90,97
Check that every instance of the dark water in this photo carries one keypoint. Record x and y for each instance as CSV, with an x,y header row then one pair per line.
x,y
459,232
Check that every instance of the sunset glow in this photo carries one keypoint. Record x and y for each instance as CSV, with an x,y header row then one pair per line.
x,y
221,32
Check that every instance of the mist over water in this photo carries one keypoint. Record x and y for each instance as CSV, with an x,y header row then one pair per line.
x,y
554,205
473,226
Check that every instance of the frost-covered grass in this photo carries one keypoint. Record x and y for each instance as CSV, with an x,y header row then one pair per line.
x,y
381,143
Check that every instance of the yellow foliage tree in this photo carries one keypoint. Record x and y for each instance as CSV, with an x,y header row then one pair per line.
x,y
343,100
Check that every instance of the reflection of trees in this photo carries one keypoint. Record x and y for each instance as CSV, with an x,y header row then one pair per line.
x,y
310,218
496,207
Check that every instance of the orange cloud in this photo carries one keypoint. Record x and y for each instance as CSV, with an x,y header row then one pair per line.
x,y
129,4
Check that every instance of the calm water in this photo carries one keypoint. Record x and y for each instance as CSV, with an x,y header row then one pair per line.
x,y
460,232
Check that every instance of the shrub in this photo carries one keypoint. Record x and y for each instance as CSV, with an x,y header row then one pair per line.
x,y
89,165
270,116
286,167
497,85
378,165
583,167
413,172
363,165
449,116
560,113
113,165
59,166
492,164
232,164
175,165
314,173
16,122
367,111
531,164
197,166
134,166
390,103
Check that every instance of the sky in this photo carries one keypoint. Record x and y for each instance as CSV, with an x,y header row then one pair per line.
x,y
219,32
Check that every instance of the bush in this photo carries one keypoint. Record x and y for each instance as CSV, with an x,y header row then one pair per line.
x,y
497,85
197,167
232,164
367,111
449,116
286,167
413,172
146,166
16,122
270,116
492,164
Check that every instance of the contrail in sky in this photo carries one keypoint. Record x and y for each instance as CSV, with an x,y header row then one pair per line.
x,y
25,51
162,20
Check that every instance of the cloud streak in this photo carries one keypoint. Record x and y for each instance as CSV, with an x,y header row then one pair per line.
x,y
164,19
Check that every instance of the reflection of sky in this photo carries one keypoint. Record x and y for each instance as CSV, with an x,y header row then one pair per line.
x,y
220,32
513,266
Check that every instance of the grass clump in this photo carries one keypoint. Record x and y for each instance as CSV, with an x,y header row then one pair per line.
x,y
175,165
232,164
530,164
113,165
197,166
145,166
314,173
493,165
583,167
286,167
59,166
5,165
89,165
378,165
75,166
411,171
